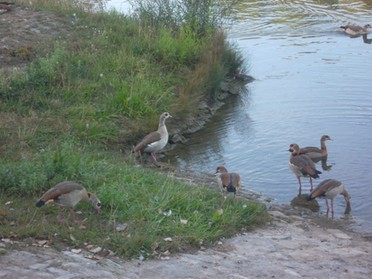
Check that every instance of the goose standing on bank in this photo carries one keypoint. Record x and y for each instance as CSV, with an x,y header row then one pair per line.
x,y
356,30
68,194
155,141
229,182
315,152
329,189
302,166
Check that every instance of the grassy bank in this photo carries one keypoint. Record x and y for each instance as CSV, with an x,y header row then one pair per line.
x,y
105,80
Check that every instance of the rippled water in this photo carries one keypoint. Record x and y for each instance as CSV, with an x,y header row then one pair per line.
x,y
311,79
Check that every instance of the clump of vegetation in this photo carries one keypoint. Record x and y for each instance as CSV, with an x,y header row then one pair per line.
x,y
58,114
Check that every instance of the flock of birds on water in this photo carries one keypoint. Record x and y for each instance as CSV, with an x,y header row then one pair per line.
x,y
68,194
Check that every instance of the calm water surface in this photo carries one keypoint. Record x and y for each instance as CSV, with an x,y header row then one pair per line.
x,y
311,79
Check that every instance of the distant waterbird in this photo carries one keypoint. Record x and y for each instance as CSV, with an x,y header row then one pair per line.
x,y
356,30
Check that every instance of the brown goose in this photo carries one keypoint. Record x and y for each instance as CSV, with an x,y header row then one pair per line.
x,y
315,152
68,194
7,6
329,189
355,30
155,141
302,165
229,182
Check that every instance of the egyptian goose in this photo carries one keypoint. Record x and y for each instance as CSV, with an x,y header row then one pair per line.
x,y
315,152
6,6
155,141
355,30
68,194
229,182
329,189
302,165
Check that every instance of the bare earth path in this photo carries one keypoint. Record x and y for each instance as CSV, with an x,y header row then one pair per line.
x,y
290,247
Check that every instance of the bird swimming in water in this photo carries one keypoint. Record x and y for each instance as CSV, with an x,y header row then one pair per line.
x,y
316,152
356,30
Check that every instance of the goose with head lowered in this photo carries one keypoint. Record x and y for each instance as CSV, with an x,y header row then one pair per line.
x,y
155,141
7,6
302,166
228,181
316,152
329,189
68,194
356,30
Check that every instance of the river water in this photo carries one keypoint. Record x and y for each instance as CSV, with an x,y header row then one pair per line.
x,y
311,80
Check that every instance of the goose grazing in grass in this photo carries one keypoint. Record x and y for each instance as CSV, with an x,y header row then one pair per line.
x,y
356,30
229,182
68,194
301,166
316,152
329,189
155,141
7,6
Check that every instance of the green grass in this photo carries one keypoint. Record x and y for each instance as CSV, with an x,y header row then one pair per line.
x,y
154,206
113,69
66,115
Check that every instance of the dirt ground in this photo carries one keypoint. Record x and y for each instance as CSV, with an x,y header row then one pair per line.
x,y
297,243
25,33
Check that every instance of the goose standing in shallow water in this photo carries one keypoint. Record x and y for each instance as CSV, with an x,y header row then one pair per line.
x,y
315,152
329,189
155,141
356,30
68,194
229,182
302,166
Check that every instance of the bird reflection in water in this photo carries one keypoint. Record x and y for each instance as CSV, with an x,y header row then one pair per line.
x,y
324,163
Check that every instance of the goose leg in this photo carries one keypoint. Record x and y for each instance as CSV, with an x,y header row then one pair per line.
x,y
311,184
73,214
300,186
59,218
154,157
327,205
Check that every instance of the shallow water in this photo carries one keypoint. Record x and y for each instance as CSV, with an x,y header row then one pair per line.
x,y
311,79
